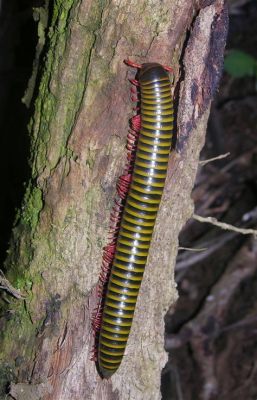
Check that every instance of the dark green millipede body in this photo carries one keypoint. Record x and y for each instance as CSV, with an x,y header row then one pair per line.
x,y
139,215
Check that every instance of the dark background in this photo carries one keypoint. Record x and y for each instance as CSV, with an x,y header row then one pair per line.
x,y
18,39
211,333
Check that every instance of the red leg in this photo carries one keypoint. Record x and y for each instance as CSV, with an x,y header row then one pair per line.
x,y
134,82
134,99
123,185
167,68
132,64
136,122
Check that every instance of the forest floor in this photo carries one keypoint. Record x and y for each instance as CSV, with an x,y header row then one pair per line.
x,y
211,332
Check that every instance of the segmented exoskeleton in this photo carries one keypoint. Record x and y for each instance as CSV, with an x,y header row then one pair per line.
x,y
130,250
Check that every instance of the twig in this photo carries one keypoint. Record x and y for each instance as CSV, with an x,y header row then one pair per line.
x,y
204,162
192,249
240,324
225,226
212,246
185,261
6,285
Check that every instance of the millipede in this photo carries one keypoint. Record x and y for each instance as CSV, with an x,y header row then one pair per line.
x,y
139,192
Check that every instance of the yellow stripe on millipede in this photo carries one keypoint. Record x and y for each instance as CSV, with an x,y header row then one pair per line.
x,y
114,345
149,102
155,107
112,353
135,269
152,118
144,200
140,223
120,331
158,126
136,205
151,150
163,135
143,190
105,366
140,236
152,96
155,184
130,259
117,298
146,173
148,166
123,240
119,291
111,321
118,315
129,250
110,360
130,277
125,284
159,111
139,214
121,305
156,158
144,139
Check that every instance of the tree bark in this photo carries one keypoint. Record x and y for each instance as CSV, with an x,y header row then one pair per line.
x,y
78,138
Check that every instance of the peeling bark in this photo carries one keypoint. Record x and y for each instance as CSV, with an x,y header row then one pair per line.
x,y
78,135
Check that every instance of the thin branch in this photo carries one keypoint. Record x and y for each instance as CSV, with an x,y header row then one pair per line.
x,y
213,245
192,249
225,226
240,324
7,286
204,162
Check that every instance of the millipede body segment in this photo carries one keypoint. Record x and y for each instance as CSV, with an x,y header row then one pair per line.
x,y
139,215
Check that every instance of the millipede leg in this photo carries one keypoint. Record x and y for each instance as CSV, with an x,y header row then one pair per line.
x,y
134,82
132,64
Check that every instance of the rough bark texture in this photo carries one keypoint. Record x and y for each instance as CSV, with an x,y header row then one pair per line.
x,y
78,137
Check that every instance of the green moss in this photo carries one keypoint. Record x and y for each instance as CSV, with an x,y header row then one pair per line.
x,y
70,154
33,204
24,283
61,13
54,119
19,322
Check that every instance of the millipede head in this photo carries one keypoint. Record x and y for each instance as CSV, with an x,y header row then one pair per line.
x,y
142,66
150,71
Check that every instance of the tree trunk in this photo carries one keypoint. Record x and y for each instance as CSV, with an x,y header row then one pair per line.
x,y
78,138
